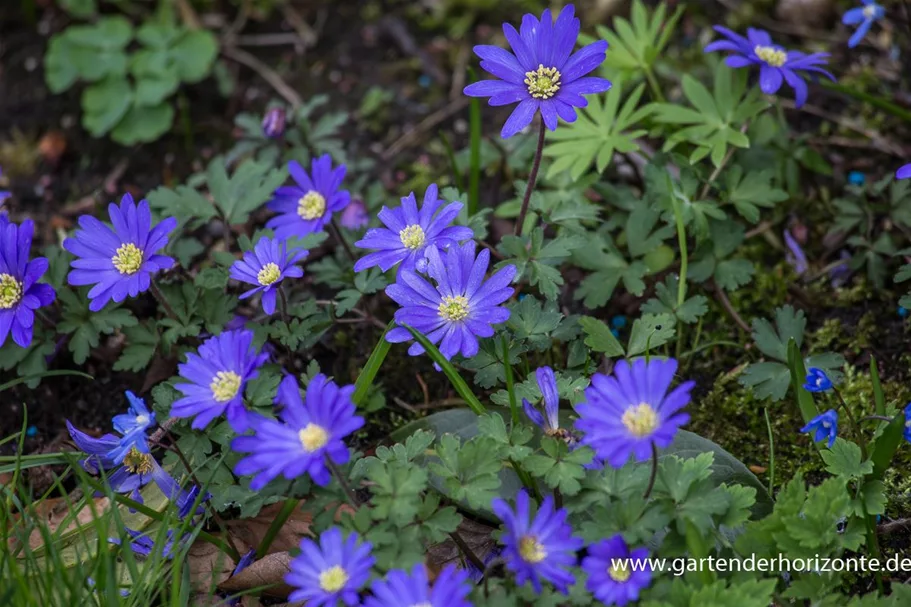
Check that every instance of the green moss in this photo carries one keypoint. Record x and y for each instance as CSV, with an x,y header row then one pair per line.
x,y
732,417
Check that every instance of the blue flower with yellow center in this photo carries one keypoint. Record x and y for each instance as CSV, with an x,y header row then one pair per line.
x,y
217,375
631,413
331,571
122,260
414,589
542,74
308,206
540,547
20,292
265,267
307,432
616,575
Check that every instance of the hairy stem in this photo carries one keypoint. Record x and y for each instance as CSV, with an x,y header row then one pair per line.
x,y
532,179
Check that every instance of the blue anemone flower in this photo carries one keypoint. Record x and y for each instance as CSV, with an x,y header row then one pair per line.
x,y
626,414
616,575
265,267
404,588
542,73
410,231
547,383
825,425
863,17
538,548
817,381
121,261
308,206
461,307
904,172
218,375
776,64
20,292
331,571
309,431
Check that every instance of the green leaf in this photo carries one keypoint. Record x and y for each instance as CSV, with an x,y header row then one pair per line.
x,y
87,327
184,203
599,337
142,340
212,278
143,123
194,54
649,332
251,184
79,8
104,104
469,469
844,459
748,191
665,302
599,130
534,323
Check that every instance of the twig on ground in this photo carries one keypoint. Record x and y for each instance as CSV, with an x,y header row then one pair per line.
x,y
265,72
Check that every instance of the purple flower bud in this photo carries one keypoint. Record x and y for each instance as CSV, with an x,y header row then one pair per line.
x,y
355,215
274,123
796,256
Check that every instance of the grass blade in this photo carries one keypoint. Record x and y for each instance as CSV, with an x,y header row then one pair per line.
x,y
372,367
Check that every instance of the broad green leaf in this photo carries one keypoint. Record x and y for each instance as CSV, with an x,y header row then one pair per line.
x,y
649,332
599,337
143,123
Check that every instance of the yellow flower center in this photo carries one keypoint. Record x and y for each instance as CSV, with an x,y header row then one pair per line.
x,y
269,274
543,83
10,291
225,386
412,237
333,579
869,11
311,205
128,259
531,550
454,308
641,420
313,437
136,462
772,56
619,570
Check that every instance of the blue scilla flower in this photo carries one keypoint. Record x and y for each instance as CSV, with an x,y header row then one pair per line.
x,y
459,308
904,172
331,571
265,267
539,547
119,261
542,74
627,413
863,17
110,450
410,231
857,178
217,376
824,425
309,431
907,431
308,206
20,292
776,64
616,575
404,588
817,381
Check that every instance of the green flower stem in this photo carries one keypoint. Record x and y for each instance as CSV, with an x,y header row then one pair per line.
x,y
858,433
350,495
654,473
532,179
653,85
156,292
283,515
337,232
510,385
768,425
684,260
474,170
